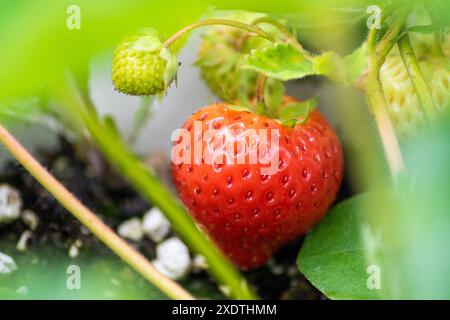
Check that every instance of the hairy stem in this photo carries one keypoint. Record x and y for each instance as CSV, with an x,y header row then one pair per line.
x,y
377,102
390,38
417,78
208,22
289,36
375,94
137,261
145,182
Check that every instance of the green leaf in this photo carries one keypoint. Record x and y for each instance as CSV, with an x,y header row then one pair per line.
x,y
291,123
355,65
333,255
346,70
240,108
297,112
330,65
413,218
285,62
43,271
427,29
32,110
281,61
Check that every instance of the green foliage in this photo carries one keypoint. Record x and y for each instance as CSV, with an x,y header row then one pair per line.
x,y
281,61
43,271
30,110
37,45
333,256
285,62
402,230
355,64
297,112
414,256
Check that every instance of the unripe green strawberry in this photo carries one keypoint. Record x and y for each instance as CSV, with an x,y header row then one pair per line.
x,y
221,55
143,66
403,104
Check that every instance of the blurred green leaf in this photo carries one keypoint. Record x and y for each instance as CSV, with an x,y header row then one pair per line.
x,y
333,256
355,64
37,45
43,272
414,221
403,230
285,62
281,61
31,110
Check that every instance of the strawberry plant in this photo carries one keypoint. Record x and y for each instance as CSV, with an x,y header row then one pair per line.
x,y
257,169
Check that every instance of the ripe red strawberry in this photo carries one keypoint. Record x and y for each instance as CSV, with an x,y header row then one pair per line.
x,y
249,214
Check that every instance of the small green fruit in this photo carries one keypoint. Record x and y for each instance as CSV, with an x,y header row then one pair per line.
x,y
403,104
222,52
143,66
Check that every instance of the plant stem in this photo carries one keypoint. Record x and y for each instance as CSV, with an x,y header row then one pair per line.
x,y
375,94
417,78
390,38
261,87
290,37
145,182
90,220
208,22
377,102
141,117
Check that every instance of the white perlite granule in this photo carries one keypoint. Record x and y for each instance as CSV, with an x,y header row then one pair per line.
x,y
131,229
30,218
155,225
10,203
172,258
7,264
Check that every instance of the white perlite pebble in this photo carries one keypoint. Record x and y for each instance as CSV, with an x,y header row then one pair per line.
x,y
155,225
31,219
23,240
131,229
199,263
172,258
7,264
10,203
74,249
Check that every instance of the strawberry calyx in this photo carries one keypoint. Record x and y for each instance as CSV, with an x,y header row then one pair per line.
x,y
289,113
